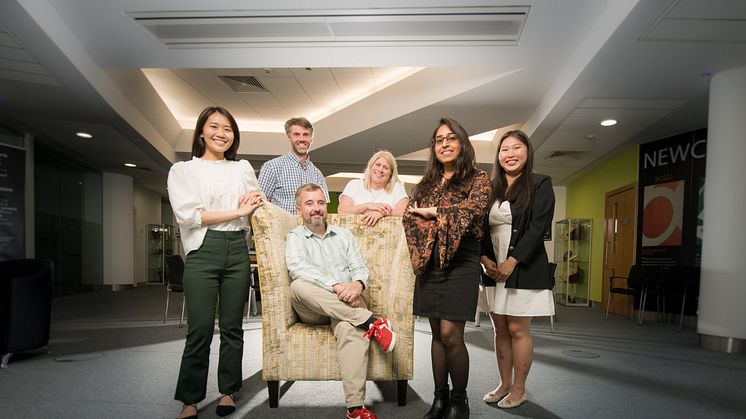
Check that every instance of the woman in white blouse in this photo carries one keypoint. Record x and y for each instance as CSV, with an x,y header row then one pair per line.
x,y
213,196
378,194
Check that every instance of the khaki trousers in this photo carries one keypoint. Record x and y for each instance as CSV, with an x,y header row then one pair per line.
x,y
315,305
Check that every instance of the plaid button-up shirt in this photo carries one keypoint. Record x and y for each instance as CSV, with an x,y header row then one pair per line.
x,y
280,177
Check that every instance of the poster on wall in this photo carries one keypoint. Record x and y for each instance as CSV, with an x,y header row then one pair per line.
x,y
670,200
12,213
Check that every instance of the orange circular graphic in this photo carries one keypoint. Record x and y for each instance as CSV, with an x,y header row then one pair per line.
x,y
658,217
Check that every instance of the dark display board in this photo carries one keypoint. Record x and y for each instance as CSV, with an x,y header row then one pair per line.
x,y
670,200
12,212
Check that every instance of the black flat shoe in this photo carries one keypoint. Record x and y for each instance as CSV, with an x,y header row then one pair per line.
x,y
224,410
194,416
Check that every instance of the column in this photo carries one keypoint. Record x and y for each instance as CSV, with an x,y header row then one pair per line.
x,y
722,301
118,204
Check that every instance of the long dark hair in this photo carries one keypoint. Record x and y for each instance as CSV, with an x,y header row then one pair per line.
x,y
465,163
198,143
519,194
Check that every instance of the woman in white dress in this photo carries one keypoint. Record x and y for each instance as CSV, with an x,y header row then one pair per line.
x,y
521,210
379,194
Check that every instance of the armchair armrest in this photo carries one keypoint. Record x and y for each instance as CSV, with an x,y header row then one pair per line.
x,y
270,225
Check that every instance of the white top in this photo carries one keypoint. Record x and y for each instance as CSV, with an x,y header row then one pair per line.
x,y
501,223
210,185
355,189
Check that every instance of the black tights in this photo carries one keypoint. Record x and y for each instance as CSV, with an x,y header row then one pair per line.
x,y
449,354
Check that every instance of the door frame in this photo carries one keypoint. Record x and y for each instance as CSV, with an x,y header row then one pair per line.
x,y
605,285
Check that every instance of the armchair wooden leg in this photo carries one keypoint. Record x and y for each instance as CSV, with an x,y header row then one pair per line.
x,y
274,393
401,392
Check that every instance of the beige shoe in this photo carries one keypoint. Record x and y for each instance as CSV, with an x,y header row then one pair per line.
x,y
508,404
493,397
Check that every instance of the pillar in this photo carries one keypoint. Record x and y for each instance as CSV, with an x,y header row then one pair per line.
x,y
722,301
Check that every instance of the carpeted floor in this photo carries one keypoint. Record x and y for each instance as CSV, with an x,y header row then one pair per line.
x,y
111,357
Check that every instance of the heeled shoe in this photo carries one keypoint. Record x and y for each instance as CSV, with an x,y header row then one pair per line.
x,y
194,416
508,404
493,397
225,410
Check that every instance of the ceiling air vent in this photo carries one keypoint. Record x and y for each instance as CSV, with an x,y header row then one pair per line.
x,y
407,26
243,84
575,155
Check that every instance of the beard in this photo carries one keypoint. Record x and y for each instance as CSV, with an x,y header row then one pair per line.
x,y
316,219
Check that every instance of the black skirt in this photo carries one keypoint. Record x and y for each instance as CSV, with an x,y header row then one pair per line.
x,y
450,293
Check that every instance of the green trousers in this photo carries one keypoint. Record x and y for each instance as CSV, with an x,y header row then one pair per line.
x,y
218,269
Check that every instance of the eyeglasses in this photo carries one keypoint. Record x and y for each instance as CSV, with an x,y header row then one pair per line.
x,y
442,139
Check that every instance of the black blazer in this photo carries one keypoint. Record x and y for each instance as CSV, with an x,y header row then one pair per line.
x,y
527,240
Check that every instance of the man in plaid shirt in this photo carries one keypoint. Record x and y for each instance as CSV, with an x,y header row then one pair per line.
x,y
280,177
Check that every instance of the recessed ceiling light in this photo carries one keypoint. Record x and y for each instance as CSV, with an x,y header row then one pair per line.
x,y
608,122
130,164
83,135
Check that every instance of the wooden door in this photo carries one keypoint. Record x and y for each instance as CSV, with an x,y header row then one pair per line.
x,y
619,245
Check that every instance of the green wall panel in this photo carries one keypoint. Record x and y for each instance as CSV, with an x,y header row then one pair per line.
x,y
585,199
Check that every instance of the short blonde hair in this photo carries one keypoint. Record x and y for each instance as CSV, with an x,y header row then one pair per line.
x,y
389,186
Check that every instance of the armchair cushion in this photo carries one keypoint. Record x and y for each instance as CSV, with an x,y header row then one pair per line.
x,y
296,351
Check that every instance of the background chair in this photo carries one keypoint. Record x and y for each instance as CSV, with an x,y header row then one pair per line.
x,y
552,270
175,283
680,283
294,351
641,282
25,305
251,305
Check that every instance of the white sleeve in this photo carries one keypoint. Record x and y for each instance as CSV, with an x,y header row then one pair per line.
x,y
399,192
185,200
249,177
352,190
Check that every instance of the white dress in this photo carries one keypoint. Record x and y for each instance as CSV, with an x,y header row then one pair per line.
x,y
510,301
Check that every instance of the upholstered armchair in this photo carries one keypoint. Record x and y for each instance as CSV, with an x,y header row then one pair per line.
x,y
293,351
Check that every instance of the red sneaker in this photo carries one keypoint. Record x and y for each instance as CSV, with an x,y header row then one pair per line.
x,y
361,413
381,330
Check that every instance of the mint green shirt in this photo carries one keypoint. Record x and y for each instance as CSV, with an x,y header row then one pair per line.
x,y
333,258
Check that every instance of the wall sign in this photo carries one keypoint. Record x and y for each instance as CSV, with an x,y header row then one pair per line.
x,y
12,210
670,204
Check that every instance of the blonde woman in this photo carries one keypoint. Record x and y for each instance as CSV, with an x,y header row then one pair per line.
x,y
379,194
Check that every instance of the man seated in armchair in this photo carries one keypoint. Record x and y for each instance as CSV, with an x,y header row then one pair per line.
x,y
328,276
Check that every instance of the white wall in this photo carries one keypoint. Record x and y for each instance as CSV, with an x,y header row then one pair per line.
x,y
147,211
118,203
560,205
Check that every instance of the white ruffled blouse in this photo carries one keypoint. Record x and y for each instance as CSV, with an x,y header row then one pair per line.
x,y
210,185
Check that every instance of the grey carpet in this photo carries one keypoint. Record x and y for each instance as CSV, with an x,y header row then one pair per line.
x,y
111,357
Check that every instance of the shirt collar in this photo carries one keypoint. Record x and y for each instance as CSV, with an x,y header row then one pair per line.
x,y
331,229
305,163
